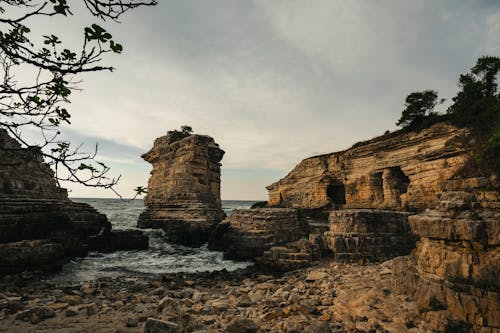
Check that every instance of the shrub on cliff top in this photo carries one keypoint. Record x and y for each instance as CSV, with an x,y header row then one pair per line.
x,y
176,135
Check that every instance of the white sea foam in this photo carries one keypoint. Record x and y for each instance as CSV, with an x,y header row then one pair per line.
x,y
161,257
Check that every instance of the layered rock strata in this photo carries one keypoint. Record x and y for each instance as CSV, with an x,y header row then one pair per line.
x,y
455,267
184,188
39,226
368,234
397,171
248,233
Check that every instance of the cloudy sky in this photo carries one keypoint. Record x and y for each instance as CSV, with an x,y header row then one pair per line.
x,y
272,81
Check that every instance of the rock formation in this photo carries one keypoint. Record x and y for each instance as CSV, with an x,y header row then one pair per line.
x,y
39,226
184,188
247,233
455,267
369,234
396,171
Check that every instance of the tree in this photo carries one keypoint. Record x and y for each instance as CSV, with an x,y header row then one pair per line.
x,y
176,135
41,103
419,106
478,94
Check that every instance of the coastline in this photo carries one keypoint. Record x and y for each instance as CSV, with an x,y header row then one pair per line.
x,y
328,297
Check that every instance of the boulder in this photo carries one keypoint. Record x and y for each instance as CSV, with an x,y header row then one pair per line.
x,y
247,233
369,234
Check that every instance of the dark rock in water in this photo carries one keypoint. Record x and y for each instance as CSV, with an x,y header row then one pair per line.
x,y
39,225
184,188
259,204
30,254
119,240
247,233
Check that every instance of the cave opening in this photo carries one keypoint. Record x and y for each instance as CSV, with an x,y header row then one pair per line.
x,y
400,179
336,192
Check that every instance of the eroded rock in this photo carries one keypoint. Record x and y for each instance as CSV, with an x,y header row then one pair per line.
x,y
399,170
247,233
369,234
184,188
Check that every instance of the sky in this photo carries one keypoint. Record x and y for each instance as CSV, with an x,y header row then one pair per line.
x,y
273,82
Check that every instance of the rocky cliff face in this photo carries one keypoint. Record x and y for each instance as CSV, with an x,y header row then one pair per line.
x,y
39,226
184,188
248,233
455,267
368,234
405,170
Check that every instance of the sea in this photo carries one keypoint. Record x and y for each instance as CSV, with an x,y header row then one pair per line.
x,y
161,257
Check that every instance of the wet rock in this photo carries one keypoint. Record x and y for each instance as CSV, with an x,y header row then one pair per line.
x,y
30,254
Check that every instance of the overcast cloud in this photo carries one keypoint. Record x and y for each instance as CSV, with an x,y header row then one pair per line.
x,y
272,81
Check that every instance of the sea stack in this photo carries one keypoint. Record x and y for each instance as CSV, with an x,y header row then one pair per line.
x,y
184,188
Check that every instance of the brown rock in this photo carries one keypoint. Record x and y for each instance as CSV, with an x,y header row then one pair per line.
x,y
184,188
400,170
247,233
160,326
369,234
239,325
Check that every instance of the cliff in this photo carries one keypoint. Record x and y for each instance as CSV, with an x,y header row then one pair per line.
x,y
39,226
184,188
455,267
396,171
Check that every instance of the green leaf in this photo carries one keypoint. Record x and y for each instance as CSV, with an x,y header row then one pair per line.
x,y
115,47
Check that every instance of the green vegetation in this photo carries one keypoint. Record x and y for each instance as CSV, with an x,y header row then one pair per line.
x,y
38,100
176,135
419,109
475,106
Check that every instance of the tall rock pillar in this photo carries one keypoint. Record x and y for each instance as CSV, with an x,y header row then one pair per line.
x,y
184,188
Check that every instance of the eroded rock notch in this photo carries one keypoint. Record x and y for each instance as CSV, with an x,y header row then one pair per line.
x,y
184,188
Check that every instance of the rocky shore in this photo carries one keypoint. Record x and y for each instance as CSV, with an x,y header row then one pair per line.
x,y
329,297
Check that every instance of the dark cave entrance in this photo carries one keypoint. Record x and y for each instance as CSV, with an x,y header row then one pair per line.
x,y
399,179
336,192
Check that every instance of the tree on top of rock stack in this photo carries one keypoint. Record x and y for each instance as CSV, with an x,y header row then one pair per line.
x,y
184,188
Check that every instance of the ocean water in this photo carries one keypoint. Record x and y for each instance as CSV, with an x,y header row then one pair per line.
x,y
161,257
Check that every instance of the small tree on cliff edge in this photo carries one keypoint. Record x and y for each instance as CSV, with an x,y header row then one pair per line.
x,y
477,103
419,107
39,103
